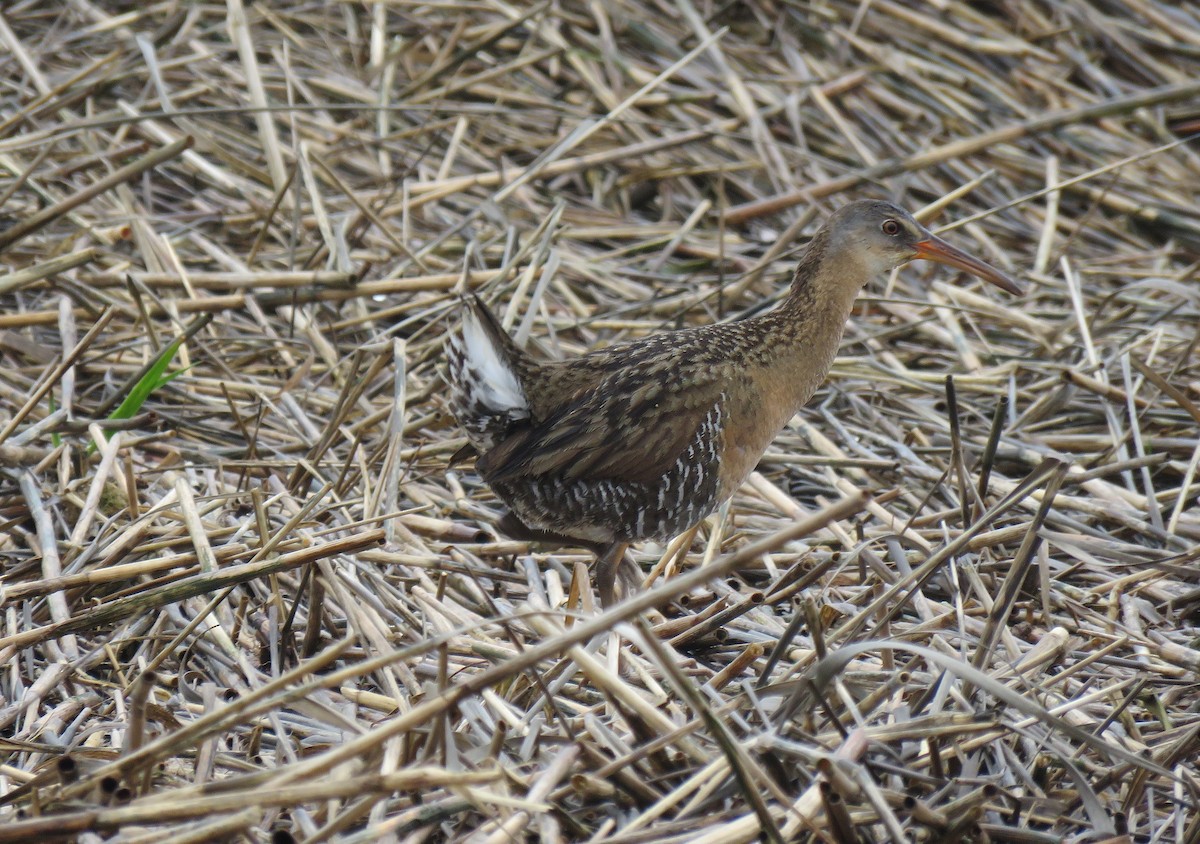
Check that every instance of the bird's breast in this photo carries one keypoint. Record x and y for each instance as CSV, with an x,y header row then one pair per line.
x,y
762,406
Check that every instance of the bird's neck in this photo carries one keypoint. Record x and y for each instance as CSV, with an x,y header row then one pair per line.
x,y
806,329
826,281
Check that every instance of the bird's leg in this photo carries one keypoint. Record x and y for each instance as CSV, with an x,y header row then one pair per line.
x,y
611,560
609,563
631,575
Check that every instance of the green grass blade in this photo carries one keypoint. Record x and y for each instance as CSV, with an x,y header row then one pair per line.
x,y
148,383
156,376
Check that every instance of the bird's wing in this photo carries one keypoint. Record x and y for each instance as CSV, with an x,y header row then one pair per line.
x,y
632,426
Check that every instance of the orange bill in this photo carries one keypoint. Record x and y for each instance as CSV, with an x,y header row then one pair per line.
x,y
933,248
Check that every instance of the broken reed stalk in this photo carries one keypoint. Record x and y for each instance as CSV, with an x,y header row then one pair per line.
x,y
32,223
958,149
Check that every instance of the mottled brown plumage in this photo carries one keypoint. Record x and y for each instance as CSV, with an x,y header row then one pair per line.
x,y
645,438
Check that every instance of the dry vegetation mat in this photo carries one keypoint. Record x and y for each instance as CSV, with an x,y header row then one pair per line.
x,y
243,599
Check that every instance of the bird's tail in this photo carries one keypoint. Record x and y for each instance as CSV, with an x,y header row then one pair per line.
x,y
486,394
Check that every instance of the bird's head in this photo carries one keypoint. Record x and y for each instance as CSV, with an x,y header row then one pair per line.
x,y
883,236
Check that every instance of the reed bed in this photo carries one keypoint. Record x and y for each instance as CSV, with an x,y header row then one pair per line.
x,y
243,598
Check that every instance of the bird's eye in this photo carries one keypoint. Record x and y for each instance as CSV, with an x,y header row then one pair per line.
x,y
891,227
